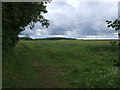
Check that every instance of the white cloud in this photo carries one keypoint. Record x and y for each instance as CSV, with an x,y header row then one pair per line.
x,y
27,31
40,32
73,3
72,18
35,32
87,0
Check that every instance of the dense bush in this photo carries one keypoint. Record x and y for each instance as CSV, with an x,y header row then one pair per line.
x,y
17,15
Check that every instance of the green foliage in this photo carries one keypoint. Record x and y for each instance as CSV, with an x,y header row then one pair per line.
x,y
17,15
65,63
114,24
113,43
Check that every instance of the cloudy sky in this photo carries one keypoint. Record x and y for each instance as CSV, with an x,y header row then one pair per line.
x,y
78,19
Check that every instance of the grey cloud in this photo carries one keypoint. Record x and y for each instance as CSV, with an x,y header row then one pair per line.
x,y
88,18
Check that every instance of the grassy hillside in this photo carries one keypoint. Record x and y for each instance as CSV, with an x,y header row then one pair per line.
x,y
61,64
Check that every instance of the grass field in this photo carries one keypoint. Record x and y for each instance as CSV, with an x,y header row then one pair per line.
x,y
60,64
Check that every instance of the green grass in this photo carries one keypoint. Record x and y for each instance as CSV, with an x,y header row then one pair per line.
x,y
61,64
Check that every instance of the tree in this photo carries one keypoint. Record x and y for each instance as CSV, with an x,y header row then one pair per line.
x,y
17,15
116,25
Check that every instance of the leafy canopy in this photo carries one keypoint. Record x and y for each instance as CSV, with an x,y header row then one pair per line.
x,y
17,15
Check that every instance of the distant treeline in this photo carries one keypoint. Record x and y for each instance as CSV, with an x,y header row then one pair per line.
x,y
51,38
65,38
